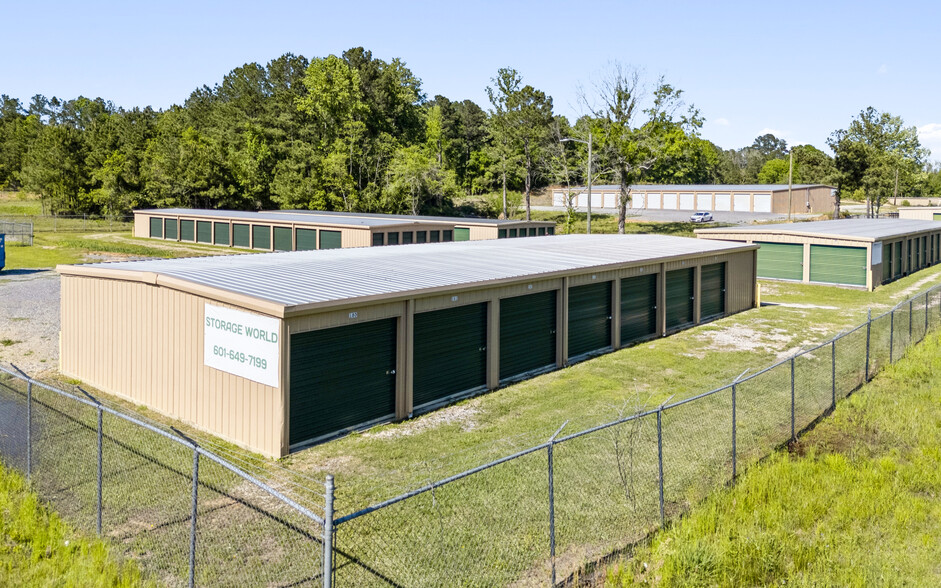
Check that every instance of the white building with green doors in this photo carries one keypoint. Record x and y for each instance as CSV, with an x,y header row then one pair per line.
x,y
861,253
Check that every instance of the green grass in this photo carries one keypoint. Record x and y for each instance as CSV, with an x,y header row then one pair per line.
x,y
38,549
857,502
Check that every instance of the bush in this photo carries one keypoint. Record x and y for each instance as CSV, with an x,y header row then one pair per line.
x,y
906,203
493,203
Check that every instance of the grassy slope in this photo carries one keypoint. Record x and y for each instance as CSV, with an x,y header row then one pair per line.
x,y
38,549
856,503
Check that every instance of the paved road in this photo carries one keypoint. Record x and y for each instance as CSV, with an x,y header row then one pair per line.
x,y
683,215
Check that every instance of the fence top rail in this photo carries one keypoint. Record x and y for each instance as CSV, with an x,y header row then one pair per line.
x,y
175,438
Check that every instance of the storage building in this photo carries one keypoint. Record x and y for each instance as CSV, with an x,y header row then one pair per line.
x,y
849,252
770,198
308,230
280,350
920,212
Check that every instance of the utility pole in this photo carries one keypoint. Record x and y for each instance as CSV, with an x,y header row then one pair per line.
x,y
790,176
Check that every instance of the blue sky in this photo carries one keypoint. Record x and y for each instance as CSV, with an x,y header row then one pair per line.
x,y
798,69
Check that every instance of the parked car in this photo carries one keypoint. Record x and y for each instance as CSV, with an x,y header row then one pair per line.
x,y
701,217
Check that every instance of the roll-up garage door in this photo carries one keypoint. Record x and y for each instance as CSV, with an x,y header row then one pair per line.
x,y
241,235
306,239
203,231
282,239
936,216
342,378
638,308
679,298
741,202
261,237
838,265
156,227
782,261
461,234
589,318
887,263
712,290
527,333
187,230
331,239
654,201
704,202
897,259
762,202
450,352
221,233
723,202
170,229
669,202
687,202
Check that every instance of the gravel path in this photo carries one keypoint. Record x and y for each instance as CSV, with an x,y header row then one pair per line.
x,y
29,319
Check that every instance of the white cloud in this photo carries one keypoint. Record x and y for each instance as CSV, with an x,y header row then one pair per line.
x,y
883,69
930,137
722,122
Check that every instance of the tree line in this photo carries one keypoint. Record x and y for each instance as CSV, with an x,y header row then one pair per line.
x,y
357,133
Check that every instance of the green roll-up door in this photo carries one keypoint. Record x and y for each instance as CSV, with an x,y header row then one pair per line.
x,y
306,239
283,239
589,318
679,298
897,260
782,261
187,230
170,229
712,291
204,232
261,237
241,236
527,333
936,216
532,231
342,378
378,239
461,234
331,239
450,353
838,265
550,230
156,227
501,233
542,231
638,308
886,262
221,234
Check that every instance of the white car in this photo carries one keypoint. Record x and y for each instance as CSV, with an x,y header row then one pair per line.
x,y
701,217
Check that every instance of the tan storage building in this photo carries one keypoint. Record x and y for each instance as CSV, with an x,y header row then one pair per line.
x,y
278,351
932,213
769,198
309,230
864,253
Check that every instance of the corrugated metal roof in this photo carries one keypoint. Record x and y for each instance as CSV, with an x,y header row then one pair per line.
x,y
285,217
460,220
310,277
865,229
704,187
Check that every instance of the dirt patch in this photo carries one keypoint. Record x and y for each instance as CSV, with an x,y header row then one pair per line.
x,y
914,288
743,338
462,414
29,320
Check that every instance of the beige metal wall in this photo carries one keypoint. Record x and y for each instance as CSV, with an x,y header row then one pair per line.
x,y
144,343
814,200
919,212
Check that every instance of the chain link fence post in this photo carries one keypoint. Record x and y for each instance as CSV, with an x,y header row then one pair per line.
x,y
100,450
833,374
892,336
660,460
29,431
910,321
926,315
734,434
793,435
192,578
868,339
552,504
328,534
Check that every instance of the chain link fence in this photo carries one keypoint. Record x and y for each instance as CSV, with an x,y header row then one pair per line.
x,y
21,233
559,510
70,223
197,512
186,515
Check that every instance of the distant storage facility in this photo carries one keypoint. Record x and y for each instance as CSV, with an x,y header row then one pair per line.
x,y
848,252
771,198
277,351
920,212
309,230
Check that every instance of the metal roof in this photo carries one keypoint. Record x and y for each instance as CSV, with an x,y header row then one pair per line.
x,y
865,229
704,187
286,217
325,276
460,220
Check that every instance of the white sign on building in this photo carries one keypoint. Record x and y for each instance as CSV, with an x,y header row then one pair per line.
x,y
242,344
